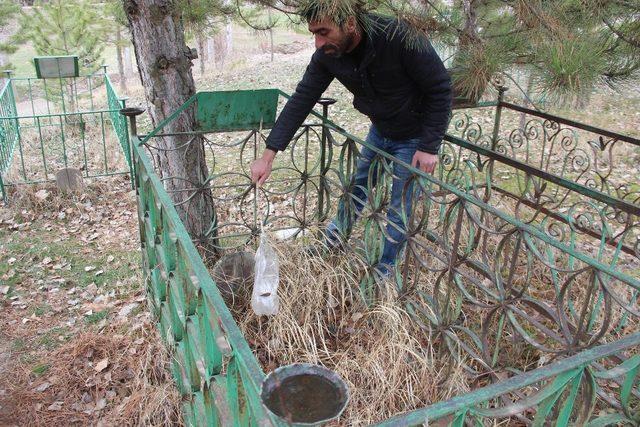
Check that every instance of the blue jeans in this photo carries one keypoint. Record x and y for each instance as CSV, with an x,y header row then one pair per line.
x,y
341,226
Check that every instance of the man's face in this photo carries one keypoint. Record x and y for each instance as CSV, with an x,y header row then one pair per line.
x,y
331,38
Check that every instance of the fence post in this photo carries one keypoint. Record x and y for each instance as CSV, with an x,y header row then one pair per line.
x,y
2,191
132,113
127,141
325,102
496,123
14,112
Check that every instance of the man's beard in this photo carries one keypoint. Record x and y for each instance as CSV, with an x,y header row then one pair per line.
x,y
337,50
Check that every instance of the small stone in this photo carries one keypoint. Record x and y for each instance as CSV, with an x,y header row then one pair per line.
x,y
127,309
101,299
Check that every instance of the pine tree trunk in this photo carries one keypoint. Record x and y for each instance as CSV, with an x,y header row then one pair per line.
x,y
221,47
128,61
211,49
202,52
229,36
271,35
525,98
468,38
164,63
123,77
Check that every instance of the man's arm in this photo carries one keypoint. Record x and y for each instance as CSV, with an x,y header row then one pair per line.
x,y
314,82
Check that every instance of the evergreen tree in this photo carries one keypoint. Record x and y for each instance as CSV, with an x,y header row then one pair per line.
x,y
58,28
70,27
8,10
114,11
566,47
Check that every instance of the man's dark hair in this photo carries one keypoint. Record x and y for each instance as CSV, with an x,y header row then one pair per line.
x,y
337,10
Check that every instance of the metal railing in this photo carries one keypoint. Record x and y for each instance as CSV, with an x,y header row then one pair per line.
x,y
193,318
9,131
66,123
488,282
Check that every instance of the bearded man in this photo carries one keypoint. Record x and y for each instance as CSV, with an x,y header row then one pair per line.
x,y
398,81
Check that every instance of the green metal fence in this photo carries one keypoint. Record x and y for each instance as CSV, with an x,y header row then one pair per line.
x,y
9,130
53,124
523,255
193,318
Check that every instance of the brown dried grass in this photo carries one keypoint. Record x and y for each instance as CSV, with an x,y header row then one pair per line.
x,y
386,359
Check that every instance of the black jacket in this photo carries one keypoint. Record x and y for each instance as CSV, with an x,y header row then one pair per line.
x,y
405,91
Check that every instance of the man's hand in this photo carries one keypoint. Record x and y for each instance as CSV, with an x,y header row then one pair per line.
x,y
426,162
261,168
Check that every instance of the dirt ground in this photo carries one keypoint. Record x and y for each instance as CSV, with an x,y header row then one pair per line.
x,y
77,343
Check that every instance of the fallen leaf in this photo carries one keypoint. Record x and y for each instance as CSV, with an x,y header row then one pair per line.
x,y
55,406
101,404
102,365
4,290
42,195
42,387
46,261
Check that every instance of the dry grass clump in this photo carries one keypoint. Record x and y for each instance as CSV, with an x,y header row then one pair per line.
x,y
387,361
104,378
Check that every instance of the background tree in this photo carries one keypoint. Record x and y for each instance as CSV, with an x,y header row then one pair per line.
x,y
114,11
69,27
204,20
8,10
564,47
